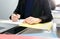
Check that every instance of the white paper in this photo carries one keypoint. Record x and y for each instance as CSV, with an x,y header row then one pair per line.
x,y
11,22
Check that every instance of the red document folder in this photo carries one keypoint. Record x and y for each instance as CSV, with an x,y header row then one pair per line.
x,y
4,36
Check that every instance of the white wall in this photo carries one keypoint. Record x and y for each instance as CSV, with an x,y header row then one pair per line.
x,y
7,7
57,2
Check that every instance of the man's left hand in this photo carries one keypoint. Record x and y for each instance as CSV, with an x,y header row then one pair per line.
x,y
32,20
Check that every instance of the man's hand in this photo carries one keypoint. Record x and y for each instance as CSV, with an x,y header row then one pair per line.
x,y
15,17
32,20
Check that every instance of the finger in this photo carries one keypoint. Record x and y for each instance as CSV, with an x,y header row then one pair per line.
x,y
29,21
33,21
24,21
14,18
18,15
36,20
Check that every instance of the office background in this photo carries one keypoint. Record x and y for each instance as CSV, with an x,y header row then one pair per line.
x,y
7,7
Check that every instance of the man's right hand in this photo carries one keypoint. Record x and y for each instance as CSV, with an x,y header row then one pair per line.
x,y
15,17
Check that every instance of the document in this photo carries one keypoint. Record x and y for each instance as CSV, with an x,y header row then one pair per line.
x,y
11,22
45,26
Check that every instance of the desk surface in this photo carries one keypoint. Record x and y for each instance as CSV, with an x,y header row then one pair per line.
x,y
46,26
6,24
51,35
11,22
6,27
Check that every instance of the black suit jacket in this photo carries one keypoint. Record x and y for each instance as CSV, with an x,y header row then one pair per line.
x,y
40,9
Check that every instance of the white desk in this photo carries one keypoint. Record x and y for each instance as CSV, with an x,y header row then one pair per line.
x,y
6,27
7,24
36,26
17,23
10,22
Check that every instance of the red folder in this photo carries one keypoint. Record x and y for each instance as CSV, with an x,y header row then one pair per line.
x,y
4,36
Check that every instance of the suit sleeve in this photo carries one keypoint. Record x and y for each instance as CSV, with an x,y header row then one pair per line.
x,y
18,8
47,16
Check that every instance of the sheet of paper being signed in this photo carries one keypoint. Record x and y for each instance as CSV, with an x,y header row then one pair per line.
x,y
46,26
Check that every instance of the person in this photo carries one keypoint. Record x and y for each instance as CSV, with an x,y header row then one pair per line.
x,y
33,11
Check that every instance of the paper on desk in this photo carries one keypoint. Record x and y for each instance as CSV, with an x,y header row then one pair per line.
x,y
11,22
45,26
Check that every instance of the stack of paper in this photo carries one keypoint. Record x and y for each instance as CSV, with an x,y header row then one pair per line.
x,y
45,26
